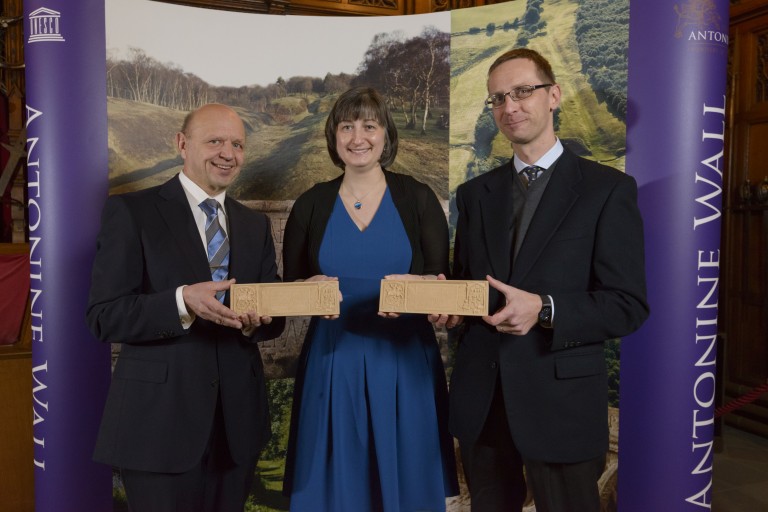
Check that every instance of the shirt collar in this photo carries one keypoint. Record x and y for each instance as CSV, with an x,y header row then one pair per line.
x,y
546,160
196,195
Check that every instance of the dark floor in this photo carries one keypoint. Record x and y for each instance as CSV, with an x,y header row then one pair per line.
x,y
740,473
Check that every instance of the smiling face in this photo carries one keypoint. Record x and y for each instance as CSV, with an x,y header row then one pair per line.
x,y
360,143
364,113
527,123
212,146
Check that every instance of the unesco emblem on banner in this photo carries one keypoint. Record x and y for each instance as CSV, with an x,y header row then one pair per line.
x,y
698,20
45,25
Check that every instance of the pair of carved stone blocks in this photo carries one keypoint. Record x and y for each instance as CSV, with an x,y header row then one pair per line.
x,y
428,296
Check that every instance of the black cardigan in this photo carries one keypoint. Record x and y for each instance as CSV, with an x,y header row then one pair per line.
x,y
421,213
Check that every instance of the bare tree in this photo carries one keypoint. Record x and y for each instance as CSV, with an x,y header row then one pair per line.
x,y
301,85
411,73
433,69
336,83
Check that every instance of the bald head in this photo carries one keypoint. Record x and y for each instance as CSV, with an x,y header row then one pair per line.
x,y
212,144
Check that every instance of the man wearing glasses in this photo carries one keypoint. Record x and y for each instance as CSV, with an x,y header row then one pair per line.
x,y
560,240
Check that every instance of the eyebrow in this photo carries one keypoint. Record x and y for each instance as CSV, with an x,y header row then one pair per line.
x,y
511,88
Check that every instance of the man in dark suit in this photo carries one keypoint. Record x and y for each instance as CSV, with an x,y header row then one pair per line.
x,y
565,245
186,415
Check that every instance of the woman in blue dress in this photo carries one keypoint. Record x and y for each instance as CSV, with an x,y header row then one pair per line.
x,y
369,422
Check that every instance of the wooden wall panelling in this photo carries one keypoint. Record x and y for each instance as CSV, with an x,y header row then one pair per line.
x,y
336,7
744,272
16,447
306,7
12,70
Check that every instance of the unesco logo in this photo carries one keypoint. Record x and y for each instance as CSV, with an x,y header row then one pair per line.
x,y
45,25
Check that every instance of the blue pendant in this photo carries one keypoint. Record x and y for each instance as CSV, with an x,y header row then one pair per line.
x,y
358,205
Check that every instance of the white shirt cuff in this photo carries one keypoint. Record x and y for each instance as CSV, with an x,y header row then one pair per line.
x,y
185,316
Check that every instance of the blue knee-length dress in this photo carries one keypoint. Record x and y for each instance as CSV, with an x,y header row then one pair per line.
x,y
367,433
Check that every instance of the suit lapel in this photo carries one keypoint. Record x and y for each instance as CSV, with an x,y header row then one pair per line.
x,y
174,210
238,238
498,220
556,202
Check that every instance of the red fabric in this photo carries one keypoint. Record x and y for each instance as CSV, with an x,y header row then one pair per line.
x,y
14,291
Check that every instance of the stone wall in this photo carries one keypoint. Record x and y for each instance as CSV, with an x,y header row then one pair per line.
x,y
280,354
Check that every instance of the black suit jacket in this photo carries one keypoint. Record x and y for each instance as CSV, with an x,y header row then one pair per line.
x,y
166,381
584,247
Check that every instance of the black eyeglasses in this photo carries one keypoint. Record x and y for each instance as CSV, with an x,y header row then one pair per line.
x,y
521,92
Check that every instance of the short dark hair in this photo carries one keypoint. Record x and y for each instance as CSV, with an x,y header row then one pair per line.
x,y
361,103
542,64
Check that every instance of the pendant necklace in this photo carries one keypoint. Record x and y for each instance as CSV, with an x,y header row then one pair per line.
x,y
358,204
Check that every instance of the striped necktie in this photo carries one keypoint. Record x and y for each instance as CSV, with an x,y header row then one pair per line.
x,y
217,243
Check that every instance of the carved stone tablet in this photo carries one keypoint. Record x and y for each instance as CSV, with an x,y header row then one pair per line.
x,y
286,299
468,298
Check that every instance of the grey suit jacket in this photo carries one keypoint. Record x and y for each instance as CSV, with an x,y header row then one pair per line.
x,y
166,382
584,247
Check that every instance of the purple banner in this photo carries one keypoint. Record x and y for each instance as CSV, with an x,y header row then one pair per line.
x,y
675,140
67,161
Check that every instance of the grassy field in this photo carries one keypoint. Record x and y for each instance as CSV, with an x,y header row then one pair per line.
x,y
267,493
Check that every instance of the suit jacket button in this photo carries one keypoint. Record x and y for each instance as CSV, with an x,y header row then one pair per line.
x,y
214,383
493,364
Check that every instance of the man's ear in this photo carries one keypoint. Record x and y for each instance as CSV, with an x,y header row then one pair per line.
x,y
181,144
554,97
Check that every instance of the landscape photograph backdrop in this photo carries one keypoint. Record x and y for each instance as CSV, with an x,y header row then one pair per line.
x,y
282,75
150,88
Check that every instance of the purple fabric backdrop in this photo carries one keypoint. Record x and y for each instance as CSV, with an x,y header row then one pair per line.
x,y
675,126
67,160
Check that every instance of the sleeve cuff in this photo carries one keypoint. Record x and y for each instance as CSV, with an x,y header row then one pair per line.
x,y
185,316
552,301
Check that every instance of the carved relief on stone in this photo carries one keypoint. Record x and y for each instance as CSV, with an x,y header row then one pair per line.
x,y
468,298
286,299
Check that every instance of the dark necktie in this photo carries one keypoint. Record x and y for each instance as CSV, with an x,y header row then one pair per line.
x,y
217,243
531,173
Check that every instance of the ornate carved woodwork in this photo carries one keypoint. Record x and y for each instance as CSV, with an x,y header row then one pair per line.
x,y
12,46
336,7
